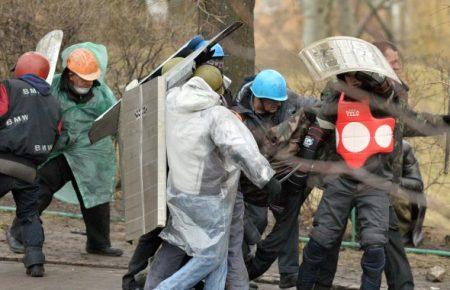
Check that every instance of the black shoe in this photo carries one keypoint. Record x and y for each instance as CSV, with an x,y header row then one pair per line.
x,y
133,285
140,278
288,280
36,270
14,245
112,252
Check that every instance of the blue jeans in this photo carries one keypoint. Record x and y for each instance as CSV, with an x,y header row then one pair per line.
x,y
169,259
194,271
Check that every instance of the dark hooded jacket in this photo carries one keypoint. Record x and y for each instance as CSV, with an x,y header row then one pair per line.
x,y
29,124
264,130
411,211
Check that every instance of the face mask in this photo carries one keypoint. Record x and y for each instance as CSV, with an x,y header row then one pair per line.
x,y
80,90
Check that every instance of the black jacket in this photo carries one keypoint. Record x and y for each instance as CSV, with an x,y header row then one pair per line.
x,y
29,127
260,126
412,180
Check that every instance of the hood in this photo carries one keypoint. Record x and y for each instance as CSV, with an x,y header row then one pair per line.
x,y
194,95
36,82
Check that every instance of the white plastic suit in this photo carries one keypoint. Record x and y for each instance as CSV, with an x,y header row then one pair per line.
x,y
207,147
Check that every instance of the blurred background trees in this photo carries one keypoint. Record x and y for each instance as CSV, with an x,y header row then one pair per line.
x,y
215,16
141,33
421,31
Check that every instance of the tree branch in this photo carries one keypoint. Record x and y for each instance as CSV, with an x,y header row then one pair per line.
x,y
369,15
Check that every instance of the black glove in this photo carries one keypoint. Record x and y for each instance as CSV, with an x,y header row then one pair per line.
x,y
273,189
296,183
204,57
375,82
446,119
370,80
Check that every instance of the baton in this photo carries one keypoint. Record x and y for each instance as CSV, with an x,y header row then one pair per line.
x,y
290,173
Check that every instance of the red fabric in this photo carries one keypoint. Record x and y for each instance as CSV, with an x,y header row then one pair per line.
x,y
59,127
4,101
357,133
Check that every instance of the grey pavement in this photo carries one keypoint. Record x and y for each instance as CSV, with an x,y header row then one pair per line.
x,y
66,277
59,277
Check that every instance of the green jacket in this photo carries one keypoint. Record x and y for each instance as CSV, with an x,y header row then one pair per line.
x,y
93,165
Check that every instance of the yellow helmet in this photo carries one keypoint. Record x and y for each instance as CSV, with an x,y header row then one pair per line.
x,y
170,64
212,76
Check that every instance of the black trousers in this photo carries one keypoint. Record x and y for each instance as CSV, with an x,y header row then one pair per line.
x,y
270,248
280,238
26,198
147,246
397,269
52,177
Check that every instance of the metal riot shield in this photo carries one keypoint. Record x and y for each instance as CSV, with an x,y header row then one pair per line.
x,y
49,46
107,124
143,157
143,152
139,118
335,55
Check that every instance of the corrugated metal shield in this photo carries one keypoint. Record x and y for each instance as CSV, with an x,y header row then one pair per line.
x,y
143,157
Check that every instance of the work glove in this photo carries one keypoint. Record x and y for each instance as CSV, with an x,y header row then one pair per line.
x,y
273,189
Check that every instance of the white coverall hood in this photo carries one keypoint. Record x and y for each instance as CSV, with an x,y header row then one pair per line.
x,y
194,95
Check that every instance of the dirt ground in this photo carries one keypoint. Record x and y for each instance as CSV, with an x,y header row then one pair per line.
x,y
65,243
349,273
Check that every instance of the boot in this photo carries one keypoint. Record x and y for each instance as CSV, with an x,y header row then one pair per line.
x,y
36,270
372,264
313,256
14,245
109,251
146,248
288,280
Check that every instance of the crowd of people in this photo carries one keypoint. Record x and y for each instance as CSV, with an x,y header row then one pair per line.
x,y
227,153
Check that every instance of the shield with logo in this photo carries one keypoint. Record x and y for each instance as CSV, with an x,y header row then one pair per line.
x,y
335,55
139,119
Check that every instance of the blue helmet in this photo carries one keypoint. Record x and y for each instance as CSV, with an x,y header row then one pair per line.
x,y
217,48
269,84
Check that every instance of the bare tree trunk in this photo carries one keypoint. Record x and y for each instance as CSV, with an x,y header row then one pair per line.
x,y
182,16
239,46
346,17
407,21
158,8
316,14
396,20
